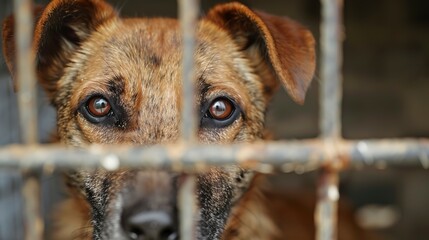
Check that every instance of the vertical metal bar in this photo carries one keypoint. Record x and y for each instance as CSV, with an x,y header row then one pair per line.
x,y
331,34
327,205
330,122
33,221
188,14
188,208
26,71
28,113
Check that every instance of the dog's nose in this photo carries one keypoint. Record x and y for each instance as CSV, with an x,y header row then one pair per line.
x,y
155,225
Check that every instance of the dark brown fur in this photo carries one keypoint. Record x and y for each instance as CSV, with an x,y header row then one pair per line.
x,y
83,49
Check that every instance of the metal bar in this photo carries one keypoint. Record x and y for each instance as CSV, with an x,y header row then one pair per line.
x,y
326,209
330,121
188,205
28,113
34,224
303,155
188,14
25,71
331,64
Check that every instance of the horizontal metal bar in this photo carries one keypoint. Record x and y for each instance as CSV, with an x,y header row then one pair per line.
x,y
304,155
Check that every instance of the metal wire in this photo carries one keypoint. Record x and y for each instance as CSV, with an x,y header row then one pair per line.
x,y
34,224
284,156
26,75
188,14
27,112
331,34
330,121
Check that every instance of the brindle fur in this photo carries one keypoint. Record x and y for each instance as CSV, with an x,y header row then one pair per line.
x,y
82,48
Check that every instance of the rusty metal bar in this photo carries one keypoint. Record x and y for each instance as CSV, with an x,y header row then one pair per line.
x,y
330,121
327,206
303,155
188,14
25,71
188,208
34,224
27,101
331,37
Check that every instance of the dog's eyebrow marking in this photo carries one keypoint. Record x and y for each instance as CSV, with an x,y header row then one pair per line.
x,y
153,60
203,87
202,47
116,85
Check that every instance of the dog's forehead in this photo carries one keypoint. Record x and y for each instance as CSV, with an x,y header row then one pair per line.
x,y
146,55
134,49
144,49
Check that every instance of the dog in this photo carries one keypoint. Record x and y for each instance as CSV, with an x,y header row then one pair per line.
x,y
117,80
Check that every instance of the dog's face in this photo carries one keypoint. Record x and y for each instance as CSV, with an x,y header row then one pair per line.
x,y
117,80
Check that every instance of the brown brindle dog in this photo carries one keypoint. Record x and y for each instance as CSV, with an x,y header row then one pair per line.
x,y
118,80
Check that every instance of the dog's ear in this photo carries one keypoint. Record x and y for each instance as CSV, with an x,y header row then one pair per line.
x,y
281,44
60,28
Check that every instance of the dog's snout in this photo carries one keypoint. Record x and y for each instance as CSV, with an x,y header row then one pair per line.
x,y
149,206
154,225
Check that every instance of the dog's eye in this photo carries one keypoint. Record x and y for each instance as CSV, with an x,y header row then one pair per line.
x,y
221,108
98,106
219,113
99,109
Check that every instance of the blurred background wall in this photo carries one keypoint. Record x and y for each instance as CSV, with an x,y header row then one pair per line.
x,y
386,94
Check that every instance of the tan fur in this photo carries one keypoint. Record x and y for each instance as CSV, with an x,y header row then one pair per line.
x,y
82,48
71,220
265,213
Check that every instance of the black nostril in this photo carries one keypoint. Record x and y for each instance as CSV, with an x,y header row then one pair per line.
x,y
135,233
155,225
169,234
